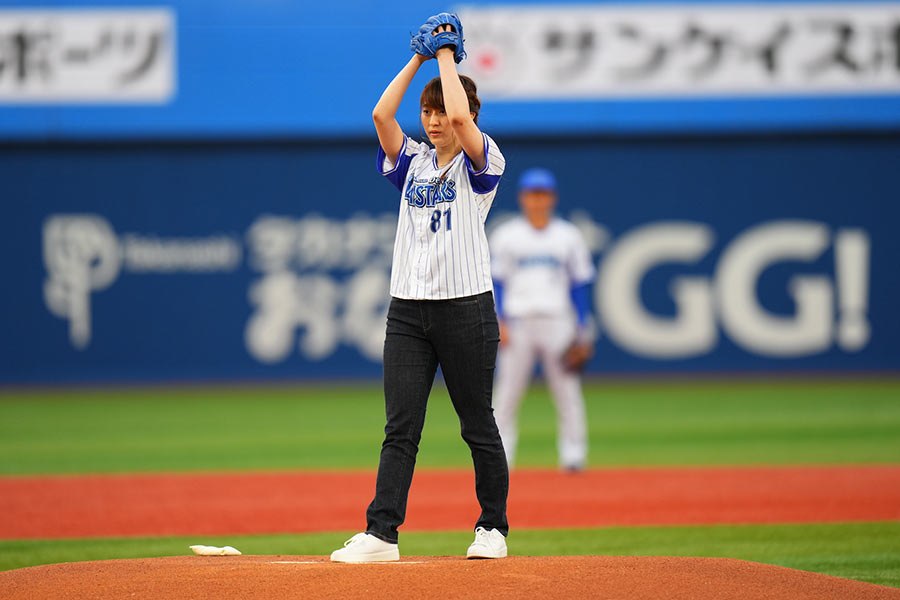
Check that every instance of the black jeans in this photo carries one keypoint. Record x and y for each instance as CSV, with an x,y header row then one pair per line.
x,y
460,335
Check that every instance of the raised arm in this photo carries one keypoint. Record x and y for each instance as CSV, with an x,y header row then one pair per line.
x,y
390,136
456,105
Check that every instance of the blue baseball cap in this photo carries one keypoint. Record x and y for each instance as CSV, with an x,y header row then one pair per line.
x,y
537,179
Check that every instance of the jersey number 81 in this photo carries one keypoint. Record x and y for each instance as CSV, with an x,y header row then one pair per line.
x,y
436,220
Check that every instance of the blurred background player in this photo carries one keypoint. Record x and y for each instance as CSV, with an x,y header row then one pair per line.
x,y
542,270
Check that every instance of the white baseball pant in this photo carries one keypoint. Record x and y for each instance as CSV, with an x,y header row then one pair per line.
x,y
545,338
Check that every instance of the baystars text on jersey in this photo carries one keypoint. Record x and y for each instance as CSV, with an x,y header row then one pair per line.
x,y
424,193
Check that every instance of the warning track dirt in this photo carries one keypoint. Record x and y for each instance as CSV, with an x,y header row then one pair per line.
x,y
223,504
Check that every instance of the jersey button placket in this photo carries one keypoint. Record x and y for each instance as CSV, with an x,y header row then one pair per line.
x,y
422,262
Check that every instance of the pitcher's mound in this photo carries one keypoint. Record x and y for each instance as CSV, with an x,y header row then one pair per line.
x,y
265,577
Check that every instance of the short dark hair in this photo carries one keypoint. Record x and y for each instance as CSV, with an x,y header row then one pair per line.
x,y
433,95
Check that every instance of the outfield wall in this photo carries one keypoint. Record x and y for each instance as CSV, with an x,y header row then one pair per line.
x,y
189,188
271,260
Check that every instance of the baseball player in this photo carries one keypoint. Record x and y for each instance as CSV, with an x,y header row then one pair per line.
x,y
542,269
442,309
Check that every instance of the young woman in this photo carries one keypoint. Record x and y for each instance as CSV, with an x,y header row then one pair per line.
x,y
442,309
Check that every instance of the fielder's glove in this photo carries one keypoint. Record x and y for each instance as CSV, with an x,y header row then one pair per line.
x,y
577,356
426,44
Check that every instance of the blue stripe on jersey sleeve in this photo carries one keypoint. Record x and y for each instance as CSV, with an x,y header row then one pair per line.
x,y
481,181
397,175
579,295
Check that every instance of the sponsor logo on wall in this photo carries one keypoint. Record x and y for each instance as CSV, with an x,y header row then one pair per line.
x,y
598,51
320,283
87,55
729,297
83,254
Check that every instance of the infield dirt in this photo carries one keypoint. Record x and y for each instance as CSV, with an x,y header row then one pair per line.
x,y
285,577
180,504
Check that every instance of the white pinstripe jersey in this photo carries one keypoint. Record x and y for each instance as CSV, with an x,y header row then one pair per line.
x,y
441,250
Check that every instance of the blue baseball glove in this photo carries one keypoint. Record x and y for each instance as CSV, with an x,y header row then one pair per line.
x,y
426,44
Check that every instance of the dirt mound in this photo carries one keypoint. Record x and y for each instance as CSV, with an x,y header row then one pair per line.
x,y
264,577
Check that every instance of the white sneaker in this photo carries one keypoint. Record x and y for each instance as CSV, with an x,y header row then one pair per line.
x,y
364,547
489,543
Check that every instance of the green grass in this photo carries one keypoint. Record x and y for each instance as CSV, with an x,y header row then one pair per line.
x,y
327,426
269,427
863,551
